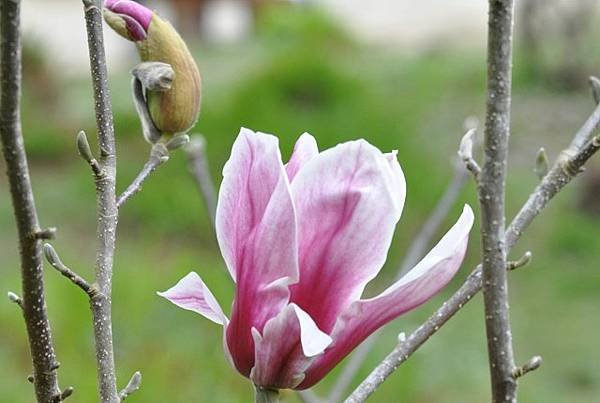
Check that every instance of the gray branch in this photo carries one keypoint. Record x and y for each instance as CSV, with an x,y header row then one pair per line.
x,y
158,155
106,205
33,300
491,189
199,168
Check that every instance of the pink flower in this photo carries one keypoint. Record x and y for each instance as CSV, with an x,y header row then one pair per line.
x,y
301,241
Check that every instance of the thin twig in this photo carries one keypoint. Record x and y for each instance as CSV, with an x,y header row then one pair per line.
x,y
158,155
33,301
107,206
199,168
556,179
415,251
55,261
491,189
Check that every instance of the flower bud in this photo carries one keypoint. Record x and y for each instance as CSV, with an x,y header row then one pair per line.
x,y
176,109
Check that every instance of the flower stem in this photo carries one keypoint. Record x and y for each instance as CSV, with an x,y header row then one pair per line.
x,y
264,395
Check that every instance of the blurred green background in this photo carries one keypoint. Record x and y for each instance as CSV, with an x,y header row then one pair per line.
x,y
301,71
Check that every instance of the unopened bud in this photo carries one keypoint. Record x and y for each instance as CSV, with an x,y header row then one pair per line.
x,y
173,110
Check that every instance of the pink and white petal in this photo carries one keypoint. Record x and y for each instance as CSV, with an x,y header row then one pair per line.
x,y
192,294
425,280
348,200
250,177
289,343
305,149
256,230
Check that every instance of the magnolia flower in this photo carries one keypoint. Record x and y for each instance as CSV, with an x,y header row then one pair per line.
x,y
176,109
301,241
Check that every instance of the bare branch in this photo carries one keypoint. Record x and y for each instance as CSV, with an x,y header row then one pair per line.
x,y
132,386
158,155
107,206
531,365
54,260
491,191
199,168
556,179
33,303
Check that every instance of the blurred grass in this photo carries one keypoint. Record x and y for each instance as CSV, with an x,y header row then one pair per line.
x,y
302,73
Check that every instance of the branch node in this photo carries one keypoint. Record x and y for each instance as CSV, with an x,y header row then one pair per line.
x,y
54,260
541,163
531,365
14,298
44,234
132,386
465,152
523,261
566,161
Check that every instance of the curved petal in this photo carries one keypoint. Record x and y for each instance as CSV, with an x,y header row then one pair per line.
x,y
348,200
289,343
305,149
363,317
256,230
192,294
